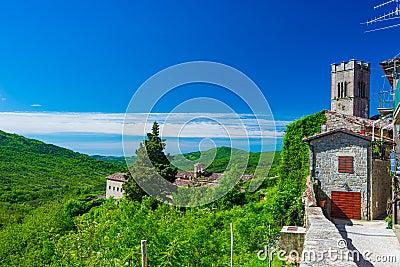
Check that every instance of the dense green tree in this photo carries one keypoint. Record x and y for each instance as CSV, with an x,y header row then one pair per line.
x,y
152,170
154,149
132,190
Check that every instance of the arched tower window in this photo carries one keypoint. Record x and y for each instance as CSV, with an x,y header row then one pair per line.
x,y
361,89
342,89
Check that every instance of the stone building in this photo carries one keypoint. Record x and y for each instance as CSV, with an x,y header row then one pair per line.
x,y
114,185
198,169
350,89
349,159
354,183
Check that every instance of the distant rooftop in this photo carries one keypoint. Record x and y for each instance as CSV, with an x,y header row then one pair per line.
x,y
119,176
388,67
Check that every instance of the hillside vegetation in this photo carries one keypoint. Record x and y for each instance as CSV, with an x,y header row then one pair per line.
x,y
81,230
33,173
218,159
116,159
32,170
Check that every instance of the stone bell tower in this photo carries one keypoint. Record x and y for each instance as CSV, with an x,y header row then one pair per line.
x,y
350,89
198,169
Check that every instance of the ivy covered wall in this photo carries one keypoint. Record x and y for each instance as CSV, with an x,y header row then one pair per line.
x,y
294,166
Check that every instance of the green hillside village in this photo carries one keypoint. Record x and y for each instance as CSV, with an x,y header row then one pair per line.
x,y
337,169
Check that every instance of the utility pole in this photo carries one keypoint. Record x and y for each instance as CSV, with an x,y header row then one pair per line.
x,y
231,245
144,253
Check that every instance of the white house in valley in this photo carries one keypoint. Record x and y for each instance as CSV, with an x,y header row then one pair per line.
x,y
114,185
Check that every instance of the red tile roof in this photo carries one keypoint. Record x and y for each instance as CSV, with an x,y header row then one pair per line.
x,y
119,176
362,121
359,120
323,134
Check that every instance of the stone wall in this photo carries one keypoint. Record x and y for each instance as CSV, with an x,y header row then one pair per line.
x,y
380,188
324,155
292,239
322,245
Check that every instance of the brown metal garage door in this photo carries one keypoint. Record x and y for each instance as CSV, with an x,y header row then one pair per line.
x,y
346,205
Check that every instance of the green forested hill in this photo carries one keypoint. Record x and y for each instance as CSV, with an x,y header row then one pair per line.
x,y
217,159
32,170
115,159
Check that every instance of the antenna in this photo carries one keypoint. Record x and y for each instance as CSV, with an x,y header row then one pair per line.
x,y
391,12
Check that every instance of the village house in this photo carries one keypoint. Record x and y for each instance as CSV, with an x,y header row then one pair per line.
x,y
199,177
114,185
349,159
354,183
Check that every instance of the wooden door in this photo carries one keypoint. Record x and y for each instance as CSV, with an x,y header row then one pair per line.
x,y
346,205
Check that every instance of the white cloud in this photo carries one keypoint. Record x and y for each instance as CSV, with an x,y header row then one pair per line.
x,y
171,125
36,105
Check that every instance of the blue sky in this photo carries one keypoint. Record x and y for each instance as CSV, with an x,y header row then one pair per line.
x,y
91,56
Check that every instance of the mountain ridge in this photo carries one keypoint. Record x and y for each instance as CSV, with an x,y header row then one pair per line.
x,y
33,170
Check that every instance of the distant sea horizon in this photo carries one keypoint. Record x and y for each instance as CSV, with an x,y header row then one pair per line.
x,y
103,133
111,145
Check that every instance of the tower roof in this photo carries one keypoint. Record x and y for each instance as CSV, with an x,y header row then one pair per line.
x,y
350,65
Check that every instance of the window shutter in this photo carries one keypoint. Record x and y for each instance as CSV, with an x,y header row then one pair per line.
x,y
345,164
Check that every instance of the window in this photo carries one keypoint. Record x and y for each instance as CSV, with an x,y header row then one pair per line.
x,y
361,89
342,89
109,187
345,164
117,189
114,188
121,189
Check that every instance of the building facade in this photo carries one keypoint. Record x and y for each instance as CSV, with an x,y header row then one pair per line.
x,y
114,185
354,184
